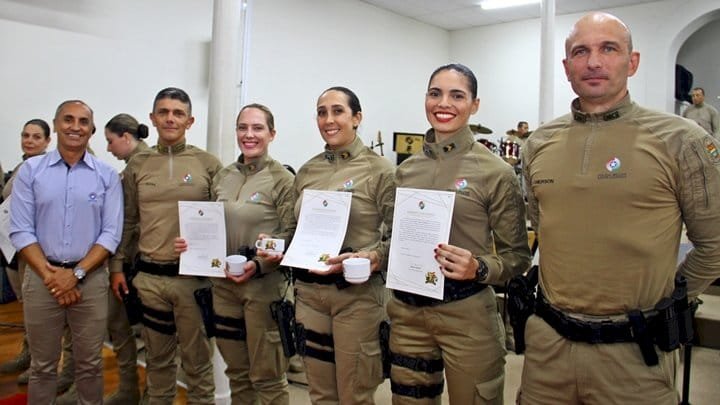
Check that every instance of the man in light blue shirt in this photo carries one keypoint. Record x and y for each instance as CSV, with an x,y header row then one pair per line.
x,y
66,219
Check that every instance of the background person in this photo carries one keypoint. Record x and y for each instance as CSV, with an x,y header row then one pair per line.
x,y
66,216
461,335
34,140
703,113
257,194
153,182
342,357
609,188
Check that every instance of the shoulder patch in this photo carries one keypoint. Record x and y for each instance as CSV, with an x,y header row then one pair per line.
x,y
712,150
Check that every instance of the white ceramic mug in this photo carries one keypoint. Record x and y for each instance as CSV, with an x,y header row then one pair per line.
x,y
273,246
356,269
236,264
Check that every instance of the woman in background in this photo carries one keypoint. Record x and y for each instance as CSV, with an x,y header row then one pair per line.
x,y
342,350
34,141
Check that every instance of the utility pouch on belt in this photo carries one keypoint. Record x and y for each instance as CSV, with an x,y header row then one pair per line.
x,y
683,310
521,304
283,312
668,335
203,297
133,306
385,347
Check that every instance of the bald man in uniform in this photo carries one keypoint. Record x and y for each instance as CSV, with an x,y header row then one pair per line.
x,y
609,188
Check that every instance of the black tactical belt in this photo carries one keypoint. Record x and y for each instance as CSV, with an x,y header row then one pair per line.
x,y
64,265
586,331
338,278
168,270
454,290
307,277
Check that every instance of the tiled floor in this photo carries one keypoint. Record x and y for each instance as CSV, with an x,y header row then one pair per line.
x,y
704,388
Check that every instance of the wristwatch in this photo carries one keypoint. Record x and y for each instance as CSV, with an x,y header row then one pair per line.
x,y
79,274
482,271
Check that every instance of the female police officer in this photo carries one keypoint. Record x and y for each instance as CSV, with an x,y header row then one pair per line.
x,y
258,199
342,355
462,333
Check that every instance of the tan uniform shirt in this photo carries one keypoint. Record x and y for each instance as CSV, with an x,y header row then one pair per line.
x,y
258,198
608,194
153,182
369,177
706,116
489,206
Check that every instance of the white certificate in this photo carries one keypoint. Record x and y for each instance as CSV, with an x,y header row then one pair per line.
x,y
421,221
320,229
202,225
5,245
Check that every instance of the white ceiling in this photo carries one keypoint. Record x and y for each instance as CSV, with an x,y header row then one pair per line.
x,y
460,14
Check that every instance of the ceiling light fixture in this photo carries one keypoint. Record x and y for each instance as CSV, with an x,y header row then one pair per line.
x,y
495,4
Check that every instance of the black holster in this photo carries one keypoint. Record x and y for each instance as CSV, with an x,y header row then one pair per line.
x,y
203,297
521,304
131,300
385,347
283,312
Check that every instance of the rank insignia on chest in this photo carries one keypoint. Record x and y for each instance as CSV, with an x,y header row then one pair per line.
x,y
431,278
461,184
187,178
255,197
348,185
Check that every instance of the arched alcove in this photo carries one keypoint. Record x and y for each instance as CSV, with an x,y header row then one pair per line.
x,y
680,38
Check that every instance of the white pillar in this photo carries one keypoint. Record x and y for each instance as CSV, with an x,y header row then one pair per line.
x,y
222,384
224,87
547,61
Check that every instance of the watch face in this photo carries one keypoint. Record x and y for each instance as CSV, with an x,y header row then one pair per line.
x,y
79,273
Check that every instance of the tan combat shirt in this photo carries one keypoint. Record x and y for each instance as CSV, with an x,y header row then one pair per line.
x,y
153,182
370,178
608,194
489,206
258,198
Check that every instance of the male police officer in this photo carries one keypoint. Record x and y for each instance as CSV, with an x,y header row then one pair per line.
x,y
609,187
703,113
153,182
66,218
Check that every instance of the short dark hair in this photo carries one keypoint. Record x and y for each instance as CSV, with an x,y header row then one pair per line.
x,y
42,124
173,93
521,123
353,100
701,90
463,70
66,102
122,123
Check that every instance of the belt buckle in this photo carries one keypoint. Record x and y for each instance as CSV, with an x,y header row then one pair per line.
x,y
64,264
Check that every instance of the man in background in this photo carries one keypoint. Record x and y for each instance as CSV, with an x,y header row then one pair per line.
x,y
704,114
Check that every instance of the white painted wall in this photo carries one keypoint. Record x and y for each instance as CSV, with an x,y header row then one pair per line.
x,y
701,55
117,55
113,55
506,59
300,48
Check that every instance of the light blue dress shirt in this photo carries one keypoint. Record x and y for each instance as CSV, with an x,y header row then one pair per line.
x,y
66,209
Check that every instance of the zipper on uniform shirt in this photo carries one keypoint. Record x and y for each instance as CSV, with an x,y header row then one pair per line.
x,y
587,148
170,162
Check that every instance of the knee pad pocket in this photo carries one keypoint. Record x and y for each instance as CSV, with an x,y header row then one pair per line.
x,y
369,370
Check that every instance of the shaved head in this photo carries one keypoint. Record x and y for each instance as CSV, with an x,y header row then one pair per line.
x,y
597,19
